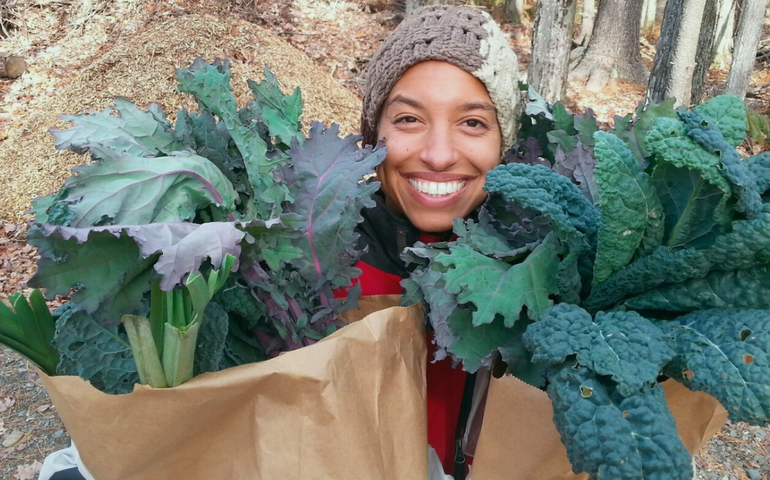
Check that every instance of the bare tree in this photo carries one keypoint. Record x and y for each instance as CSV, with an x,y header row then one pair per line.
x,y
587,17
723,41
551,42
746,41
703,56
613,50
648,15
675,58
514,10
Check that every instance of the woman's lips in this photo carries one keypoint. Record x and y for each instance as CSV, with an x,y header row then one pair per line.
x,y
429,194
436,189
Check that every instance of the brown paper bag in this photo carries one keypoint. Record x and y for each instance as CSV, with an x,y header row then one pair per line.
x,y
349,407
518,440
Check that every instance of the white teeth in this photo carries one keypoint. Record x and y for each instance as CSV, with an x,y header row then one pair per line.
x,y
436,189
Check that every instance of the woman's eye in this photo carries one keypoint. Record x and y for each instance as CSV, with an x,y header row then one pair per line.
x,y
473,123
406,119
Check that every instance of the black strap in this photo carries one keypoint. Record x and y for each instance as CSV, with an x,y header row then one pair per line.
x,y
465,411
68,474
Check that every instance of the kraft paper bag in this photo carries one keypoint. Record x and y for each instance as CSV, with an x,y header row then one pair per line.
x,y
352,406
518,440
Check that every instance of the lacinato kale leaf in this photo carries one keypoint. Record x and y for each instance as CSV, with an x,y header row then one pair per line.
x,y
612,436
622,345
632,216
724,352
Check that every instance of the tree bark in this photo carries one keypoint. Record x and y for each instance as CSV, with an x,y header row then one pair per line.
x,y
587,17
514,10
746,41
703,56
11,66
613,51
648,15
672,71
723,40
660,6
551,42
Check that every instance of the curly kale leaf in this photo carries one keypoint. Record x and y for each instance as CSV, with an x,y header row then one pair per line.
x,y
669,141
325,182
623,345
484,238
728,114
632,216
579,166
724,352
494,287
137,190
745,288
689,204
93,352
612,436
122,131
210,84
735,171
280,113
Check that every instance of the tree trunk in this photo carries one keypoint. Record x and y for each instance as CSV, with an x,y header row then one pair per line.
x,y
586,22
514,10
672,71
11,66
660,6
746,42
613,51
648,15
723,40
703,56
551,42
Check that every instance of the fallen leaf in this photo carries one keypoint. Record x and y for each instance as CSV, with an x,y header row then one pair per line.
x,y
43,408
2,428
28,472
12,438
6,403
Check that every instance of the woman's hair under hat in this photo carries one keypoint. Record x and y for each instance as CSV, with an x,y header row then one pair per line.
x,y
467,38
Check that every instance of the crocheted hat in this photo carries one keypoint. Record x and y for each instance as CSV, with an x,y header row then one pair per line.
x,y
465,37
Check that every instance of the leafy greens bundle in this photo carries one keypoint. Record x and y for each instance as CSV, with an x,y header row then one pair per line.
x,y
144,230
603,260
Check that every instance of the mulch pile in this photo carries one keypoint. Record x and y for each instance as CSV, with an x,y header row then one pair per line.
x,y
142,68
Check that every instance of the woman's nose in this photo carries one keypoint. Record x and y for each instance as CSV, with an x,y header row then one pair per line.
x,y
438,151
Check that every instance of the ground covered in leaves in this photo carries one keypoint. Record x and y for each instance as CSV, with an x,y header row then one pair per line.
x,y
82,54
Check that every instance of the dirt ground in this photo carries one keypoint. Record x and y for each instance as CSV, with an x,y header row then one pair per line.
x,y
82,54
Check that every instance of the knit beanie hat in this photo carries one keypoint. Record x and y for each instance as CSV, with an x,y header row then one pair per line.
x,y
467,38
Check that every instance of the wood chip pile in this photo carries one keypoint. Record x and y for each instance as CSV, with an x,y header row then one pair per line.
x,y
141,67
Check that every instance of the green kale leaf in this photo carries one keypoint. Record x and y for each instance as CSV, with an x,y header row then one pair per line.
x,y
632,216
724,352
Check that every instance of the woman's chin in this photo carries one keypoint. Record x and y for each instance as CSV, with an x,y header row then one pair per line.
x,y
432,223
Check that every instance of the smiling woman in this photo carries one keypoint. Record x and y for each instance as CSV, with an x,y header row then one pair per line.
x,y
442,93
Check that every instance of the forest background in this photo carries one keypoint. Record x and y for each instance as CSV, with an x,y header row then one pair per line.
x,y
603,55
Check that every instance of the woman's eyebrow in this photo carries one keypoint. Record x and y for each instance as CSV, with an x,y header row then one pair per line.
x,y
466,107
405,100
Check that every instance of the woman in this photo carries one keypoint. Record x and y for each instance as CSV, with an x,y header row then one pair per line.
x,y
442,92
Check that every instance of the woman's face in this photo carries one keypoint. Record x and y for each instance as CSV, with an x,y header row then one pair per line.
x,y
441,130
